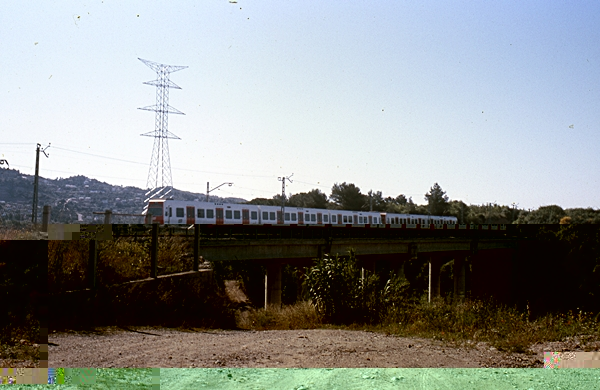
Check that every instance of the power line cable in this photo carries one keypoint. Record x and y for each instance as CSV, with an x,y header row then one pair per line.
x,y
175,168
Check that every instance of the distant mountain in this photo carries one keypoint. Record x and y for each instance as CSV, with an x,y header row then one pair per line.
x,y
75,199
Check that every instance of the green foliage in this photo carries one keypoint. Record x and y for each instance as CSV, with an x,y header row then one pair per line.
x,y
332,286
544,215
264,202
437,200
312,199
348,197
376,201
341,294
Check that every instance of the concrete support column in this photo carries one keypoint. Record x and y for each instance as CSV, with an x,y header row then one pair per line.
x,y
368,266
273,284
92,263
459,278
434,277
45,218
299,281
107,217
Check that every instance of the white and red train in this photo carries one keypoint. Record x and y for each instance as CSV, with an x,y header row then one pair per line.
x,y
178,212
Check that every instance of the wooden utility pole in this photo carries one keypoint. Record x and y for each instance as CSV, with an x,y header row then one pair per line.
x,y
35,182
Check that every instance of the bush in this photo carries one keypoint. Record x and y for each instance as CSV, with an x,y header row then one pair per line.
x,y
341,294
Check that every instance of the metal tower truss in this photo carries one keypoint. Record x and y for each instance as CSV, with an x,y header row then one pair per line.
x,y
159,182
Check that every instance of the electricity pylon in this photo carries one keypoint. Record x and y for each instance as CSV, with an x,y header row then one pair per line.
x,y
159,182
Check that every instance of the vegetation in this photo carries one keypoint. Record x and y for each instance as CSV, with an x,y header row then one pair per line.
x,y
348,196
188,302
24,312
336,293
341,298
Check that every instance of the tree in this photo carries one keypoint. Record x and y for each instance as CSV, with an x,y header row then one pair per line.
x,y
458,209
437,200
546,214
313,199
264,202
348,197
375,199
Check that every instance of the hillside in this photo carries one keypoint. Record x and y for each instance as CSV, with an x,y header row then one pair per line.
x,y
74,199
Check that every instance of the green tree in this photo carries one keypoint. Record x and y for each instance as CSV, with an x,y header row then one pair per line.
x,y
437,200
264,202
580,215
458,209
546,214
376,201
347,196
313,199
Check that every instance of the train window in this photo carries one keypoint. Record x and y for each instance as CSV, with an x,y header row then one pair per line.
x,y
265,216
210,213
200,213
227,214
293,216
179,212
272,215
359,219
313,218
253,215
326,218
287,216
236,214
333,219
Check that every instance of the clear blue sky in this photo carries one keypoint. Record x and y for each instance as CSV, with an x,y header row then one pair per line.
x,y
495,101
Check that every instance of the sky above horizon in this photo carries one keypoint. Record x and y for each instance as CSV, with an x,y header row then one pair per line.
x,y
496,102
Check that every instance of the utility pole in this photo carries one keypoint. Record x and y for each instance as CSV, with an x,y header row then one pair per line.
x,y
35,182
282,179
209,191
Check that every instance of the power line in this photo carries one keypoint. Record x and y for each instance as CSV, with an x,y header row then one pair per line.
x,y
175,168
97,155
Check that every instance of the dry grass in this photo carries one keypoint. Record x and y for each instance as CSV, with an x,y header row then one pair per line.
x,y
464,324
24,232
301,315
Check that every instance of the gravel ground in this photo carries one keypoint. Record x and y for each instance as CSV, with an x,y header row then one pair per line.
x,y
317,348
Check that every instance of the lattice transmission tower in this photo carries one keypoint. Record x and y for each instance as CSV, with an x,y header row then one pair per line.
x,y
160,183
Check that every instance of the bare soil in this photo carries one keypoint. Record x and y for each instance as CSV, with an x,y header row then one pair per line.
x,y
317,348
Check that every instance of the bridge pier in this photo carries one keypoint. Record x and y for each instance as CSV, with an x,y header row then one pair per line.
x,y
273,284
459,271
435,263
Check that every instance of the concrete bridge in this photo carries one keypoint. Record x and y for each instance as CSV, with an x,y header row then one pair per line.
x,y
489,259
482,260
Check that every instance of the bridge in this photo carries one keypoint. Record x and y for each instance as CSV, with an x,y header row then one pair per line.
x,y
490,259
482,258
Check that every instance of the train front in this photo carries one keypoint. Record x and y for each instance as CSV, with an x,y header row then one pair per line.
x,y
156,211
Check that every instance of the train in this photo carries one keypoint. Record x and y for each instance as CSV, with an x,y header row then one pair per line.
x,y
177,212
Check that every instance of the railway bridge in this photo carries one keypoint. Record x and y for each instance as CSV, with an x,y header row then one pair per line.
x,y
483,260
490,259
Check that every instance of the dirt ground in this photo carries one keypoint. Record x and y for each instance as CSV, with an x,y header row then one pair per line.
x,y
320,348
317,348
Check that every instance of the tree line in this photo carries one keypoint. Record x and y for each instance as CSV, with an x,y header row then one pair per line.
x,y
347,196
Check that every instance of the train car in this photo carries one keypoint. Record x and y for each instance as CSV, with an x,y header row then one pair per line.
x,y
179,212
210,213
